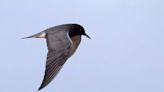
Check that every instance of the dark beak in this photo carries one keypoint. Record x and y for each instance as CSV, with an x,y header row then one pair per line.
x,y
87,36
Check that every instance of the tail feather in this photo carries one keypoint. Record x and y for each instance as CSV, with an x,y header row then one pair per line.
x,y
38,35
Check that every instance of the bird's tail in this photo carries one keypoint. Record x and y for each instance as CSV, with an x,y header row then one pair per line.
x,y
38,35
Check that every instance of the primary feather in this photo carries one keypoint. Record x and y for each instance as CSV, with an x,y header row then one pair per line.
x,y
61,47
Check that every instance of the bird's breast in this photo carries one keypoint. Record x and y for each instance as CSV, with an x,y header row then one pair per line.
x,y
76,41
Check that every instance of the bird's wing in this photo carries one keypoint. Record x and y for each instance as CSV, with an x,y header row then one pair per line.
x,y
59,45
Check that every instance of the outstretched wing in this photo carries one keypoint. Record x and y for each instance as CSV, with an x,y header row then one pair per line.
x,y
59,45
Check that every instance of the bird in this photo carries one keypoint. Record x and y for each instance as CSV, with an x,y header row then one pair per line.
x,y
62,42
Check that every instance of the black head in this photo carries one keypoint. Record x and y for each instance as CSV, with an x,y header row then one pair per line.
x,y
77,30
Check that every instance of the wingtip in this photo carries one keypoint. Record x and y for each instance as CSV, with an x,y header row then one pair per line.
x,y
41,87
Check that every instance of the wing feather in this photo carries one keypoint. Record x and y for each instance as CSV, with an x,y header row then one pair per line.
x,y
59,47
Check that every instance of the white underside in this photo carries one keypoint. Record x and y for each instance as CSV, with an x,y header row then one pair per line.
x,y
42,35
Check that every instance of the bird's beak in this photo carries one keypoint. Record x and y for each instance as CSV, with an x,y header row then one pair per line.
x,y
87,36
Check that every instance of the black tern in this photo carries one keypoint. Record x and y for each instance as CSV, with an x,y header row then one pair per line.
x,y
62,42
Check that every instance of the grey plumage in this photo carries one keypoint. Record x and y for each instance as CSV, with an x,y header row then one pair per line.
x,y
62,42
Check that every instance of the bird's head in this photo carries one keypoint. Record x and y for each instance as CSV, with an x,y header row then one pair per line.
x,y
82,32
77,30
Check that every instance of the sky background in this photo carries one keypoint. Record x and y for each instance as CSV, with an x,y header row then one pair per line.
x,y
125,54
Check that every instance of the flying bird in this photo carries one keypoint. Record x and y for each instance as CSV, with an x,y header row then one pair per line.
x,y
62,42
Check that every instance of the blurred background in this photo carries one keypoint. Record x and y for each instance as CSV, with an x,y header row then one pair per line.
x,y
125,54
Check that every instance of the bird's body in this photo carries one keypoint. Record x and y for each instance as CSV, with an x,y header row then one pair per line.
x,y
76,41
62,42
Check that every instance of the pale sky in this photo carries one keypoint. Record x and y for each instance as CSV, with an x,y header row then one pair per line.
x,y
125,54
